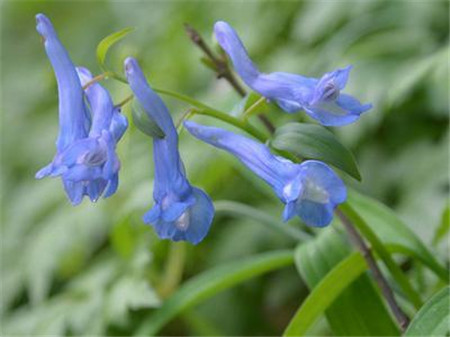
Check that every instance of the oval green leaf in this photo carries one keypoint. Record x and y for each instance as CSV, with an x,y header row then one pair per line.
x,y
144,122
108,42
433,319
311,141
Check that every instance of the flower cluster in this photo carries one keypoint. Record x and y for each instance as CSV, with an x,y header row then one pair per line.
x,y
91,126
85,157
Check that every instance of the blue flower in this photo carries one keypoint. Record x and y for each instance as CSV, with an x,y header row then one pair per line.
x,y
181,211
320,98
85,148
310,190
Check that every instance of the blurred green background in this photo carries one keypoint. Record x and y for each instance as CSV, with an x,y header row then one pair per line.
x,y
97,269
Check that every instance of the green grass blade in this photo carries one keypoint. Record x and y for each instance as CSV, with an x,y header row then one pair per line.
x,y
326,291
433,319
383,253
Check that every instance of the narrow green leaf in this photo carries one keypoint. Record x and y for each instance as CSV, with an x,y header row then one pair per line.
x,y
393,232
108,42
383,253
325,292
212,282
261,217
433,319
144,122
358,310
444,226
311,141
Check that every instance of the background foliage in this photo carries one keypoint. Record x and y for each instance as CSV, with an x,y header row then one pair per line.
x,y
97,269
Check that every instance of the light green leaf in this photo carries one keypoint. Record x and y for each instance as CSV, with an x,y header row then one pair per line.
x,y
144,122
246,211
105,44
444,226
333,284
433,319
311,141
393,232
358,309
212,282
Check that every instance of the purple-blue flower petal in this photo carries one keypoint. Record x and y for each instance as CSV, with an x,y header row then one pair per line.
x,y
322,191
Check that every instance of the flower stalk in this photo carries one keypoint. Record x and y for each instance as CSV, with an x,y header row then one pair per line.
x,y
223,70
382,283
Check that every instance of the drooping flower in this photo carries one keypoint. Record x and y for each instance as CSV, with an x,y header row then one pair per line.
x,y
181,211
85,149
310,190
320,98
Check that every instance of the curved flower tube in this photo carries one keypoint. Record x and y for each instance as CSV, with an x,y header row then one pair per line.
x,y
181,211
320,98
310,190
85,158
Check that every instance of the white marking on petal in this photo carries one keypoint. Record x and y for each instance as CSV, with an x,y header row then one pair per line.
x,y
315,193
182,223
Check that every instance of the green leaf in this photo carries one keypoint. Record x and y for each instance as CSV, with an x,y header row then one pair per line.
x,y
433,319
212,282
311,141
326,291
383,253
144,122
245,211
358,310
108,42
444,226
393,232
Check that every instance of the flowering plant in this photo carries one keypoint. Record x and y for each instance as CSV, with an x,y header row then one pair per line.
x,y
265,181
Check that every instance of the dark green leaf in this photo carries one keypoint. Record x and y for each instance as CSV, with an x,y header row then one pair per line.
x,y
433,319
144,122
311,141
108,42
212,282
359,309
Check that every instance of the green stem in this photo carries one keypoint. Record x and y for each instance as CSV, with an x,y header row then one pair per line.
x,y
384,254
125,101
174,269
203,109
253,107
